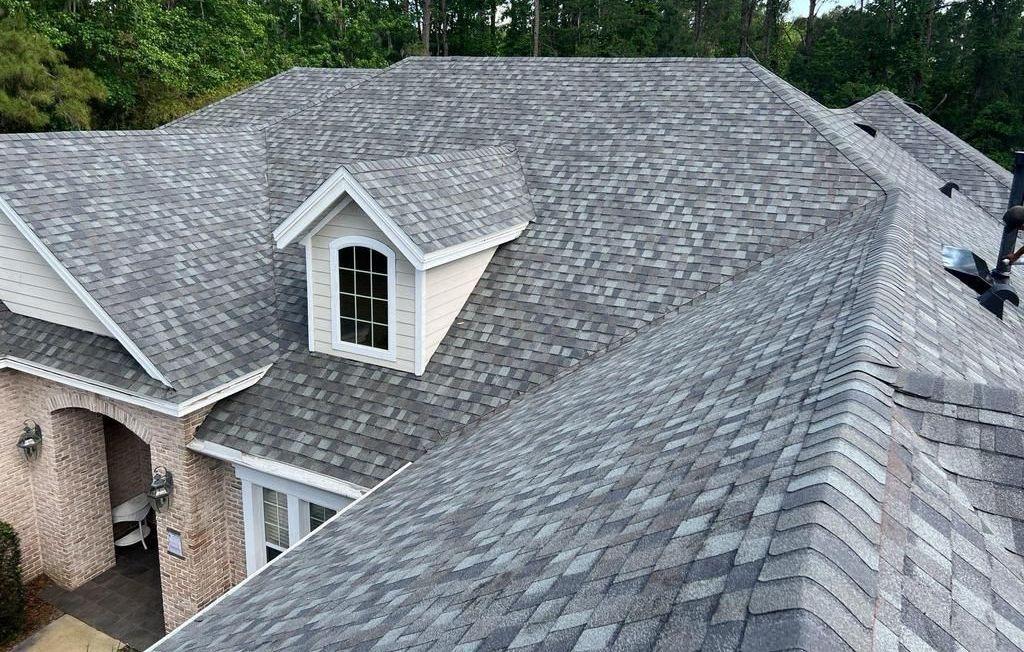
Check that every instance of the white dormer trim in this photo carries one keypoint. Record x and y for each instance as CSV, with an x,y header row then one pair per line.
x,y
391,353
81,293
342,183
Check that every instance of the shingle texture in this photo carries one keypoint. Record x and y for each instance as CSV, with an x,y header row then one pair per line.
x,y
938,149
720,393
445,200
649,187
262,104
167,232
811,455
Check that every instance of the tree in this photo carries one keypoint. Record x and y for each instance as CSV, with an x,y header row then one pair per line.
x,y
536,28
38,90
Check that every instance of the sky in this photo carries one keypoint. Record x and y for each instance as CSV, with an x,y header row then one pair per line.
x,y
799,7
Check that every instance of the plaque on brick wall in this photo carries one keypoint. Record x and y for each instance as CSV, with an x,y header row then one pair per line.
x,y
174,543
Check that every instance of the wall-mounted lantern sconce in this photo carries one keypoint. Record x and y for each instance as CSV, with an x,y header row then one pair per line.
x,y
31,439
161,488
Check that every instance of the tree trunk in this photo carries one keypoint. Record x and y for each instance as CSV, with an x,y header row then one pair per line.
x,y
536,28
698,25
746,19
771,24
341,17
812,8
426,28
444,28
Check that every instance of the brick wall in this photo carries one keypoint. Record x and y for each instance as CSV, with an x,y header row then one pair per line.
x,y
128,463
17,501
63,498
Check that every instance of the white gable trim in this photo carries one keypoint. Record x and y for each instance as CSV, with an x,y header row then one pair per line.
x,y
338,184
81,293
342,183
169,408
286,472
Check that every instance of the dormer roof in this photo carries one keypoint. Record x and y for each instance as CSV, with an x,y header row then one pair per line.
x,y
434,207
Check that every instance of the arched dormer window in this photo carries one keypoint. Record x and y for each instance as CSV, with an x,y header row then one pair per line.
x,y
363,297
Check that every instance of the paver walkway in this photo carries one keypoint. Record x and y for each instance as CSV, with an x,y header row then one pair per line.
x,y
123,602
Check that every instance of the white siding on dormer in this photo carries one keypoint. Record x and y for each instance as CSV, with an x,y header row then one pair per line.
x,y
349,221
447,288
30,287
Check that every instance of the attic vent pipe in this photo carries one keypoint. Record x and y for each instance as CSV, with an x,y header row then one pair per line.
x,y
868,129
948,189
993,287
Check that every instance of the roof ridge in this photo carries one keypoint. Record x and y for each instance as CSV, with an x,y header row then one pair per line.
x,y
244,89
982,162
328,96
449,155
796,99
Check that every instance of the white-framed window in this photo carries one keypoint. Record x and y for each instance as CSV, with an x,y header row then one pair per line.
x,y
363,297
279,512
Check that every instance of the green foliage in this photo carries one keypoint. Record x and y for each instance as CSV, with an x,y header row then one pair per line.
x,y
139,63
38,90
12,591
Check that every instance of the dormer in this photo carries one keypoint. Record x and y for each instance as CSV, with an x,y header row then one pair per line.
x,y
394,248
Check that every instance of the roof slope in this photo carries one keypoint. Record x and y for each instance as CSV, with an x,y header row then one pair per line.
x,y
649,188
735,476
943,152
444,200
167,232
635,499
751,470
258,106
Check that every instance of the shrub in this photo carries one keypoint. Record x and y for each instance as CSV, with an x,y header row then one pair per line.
x,y
12,590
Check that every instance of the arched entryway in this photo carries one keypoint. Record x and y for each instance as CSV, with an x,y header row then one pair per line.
x,y
109,572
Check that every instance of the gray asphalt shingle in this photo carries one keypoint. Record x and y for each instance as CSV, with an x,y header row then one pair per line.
x,y
260,105
167,232
720,393
444,200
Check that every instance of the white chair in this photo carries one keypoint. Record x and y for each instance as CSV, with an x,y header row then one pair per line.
x,y
133,510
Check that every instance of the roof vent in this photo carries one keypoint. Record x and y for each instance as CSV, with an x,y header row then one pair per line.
x,y
993,287
948,189
866,128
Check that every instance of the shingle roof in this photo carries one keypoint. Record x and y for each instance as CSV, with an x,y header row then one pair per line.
x,y
941,151
735,476
69,350
257,106
444,200
813,455
649,185
167,232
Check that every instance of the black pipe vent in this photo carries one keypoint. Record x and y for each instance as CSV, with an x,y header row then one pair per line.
x,y
993,286
948,189
866,128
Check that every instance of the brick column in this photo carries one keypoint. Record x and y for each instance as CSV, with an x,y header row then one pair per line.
x,y
73,510
199,512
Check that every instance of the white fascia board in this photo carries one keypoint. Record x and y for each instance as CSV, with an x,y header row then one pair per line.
x,y
169,408
341,183
278,469
275,561
338,184
455,252
81,293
